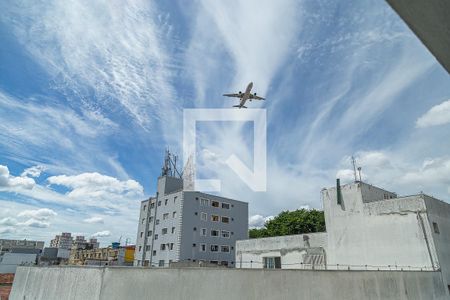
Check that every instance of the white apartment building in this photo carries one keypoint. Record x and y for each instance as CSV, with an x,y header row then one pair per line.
x,y
63,241
188,226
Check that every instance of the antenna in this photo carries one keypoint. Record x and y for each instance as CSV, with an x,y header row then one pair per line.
x,y
354,168
170,165
359,170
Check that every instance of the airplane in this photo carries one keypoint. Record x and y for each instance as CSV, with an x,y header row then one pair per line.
x,y
245,96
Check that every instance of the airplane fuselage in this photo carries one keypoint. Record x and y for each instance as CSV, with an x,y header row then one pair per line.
x,y
246,95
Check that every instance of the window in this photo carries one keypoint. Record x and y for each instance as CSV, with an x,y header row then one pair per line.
x,y
204,202
145,206
224,263
203,232
145,264
149,233
142,233
214,218
163,247
174,214
157,222
152,205
173,229
174,199
202,247
154,252
226,205
156,236
150,219
436,227
214,232
204,216
140,248
147,248
225,248
214,248
214,262
165,201
164,231
215,203
225,220
161,263
165,216
171,246
143,220
225,234
159,203
272,262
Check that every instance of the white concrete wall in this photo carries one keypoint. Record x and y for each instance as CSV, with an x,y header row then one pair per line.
x,y
291,248
206,283
381,234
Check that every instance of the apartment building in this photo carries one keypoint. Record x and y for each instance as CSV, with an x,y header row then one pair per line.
x,y
178,225
63,241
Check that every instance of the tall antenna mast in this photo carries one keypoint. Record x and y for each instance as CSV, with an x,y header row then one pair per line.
x,y
354,168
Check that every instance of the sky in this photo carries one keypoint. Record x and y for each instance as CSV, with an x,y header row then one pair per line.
x,y
93,92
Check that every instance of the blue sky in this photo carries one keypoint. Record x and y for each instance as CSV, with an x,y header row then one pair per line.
x,y
92,93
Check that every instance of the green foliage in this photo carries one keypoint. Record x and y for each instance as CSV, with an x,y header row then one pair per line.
x,y
292,222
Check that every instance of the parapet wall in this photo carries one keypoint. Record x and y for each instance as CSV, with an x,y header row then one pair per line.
x,y
204,283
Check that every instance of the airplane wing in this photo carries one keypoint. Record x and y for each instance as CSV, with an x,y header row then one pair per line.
x,y
233,95
252,96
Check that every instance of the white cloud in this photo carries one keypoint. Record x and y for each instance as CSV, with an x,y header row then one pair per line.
x,y
95,186
35,223
8,181
8,221
34,171
41,214
6,230
437,115
105,233
118,52
94,220
433,172
258,221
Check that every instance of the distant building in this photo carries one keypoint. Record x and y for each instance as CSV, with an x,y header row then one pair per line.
x,y
7,245
368,228
14,253
80,243
110,256
9,261
178,225
63,241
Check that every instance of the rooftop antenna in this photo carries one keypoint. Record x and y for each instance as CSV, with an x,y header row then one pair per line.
x,y
354,168
170,165
359,170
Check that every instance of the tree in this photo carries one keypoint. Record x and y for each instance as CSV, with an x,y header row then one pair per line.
x,y
292,222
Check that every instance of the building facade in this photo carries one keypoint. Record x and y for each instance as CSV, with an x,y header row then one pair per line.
x,y
178,225
368,228
8,245
109,256
63,241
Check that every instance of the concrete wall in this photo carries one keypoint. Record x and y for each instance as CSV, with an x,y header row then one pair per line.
x,y
143,283
383,233
430,22
292,250
439,212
